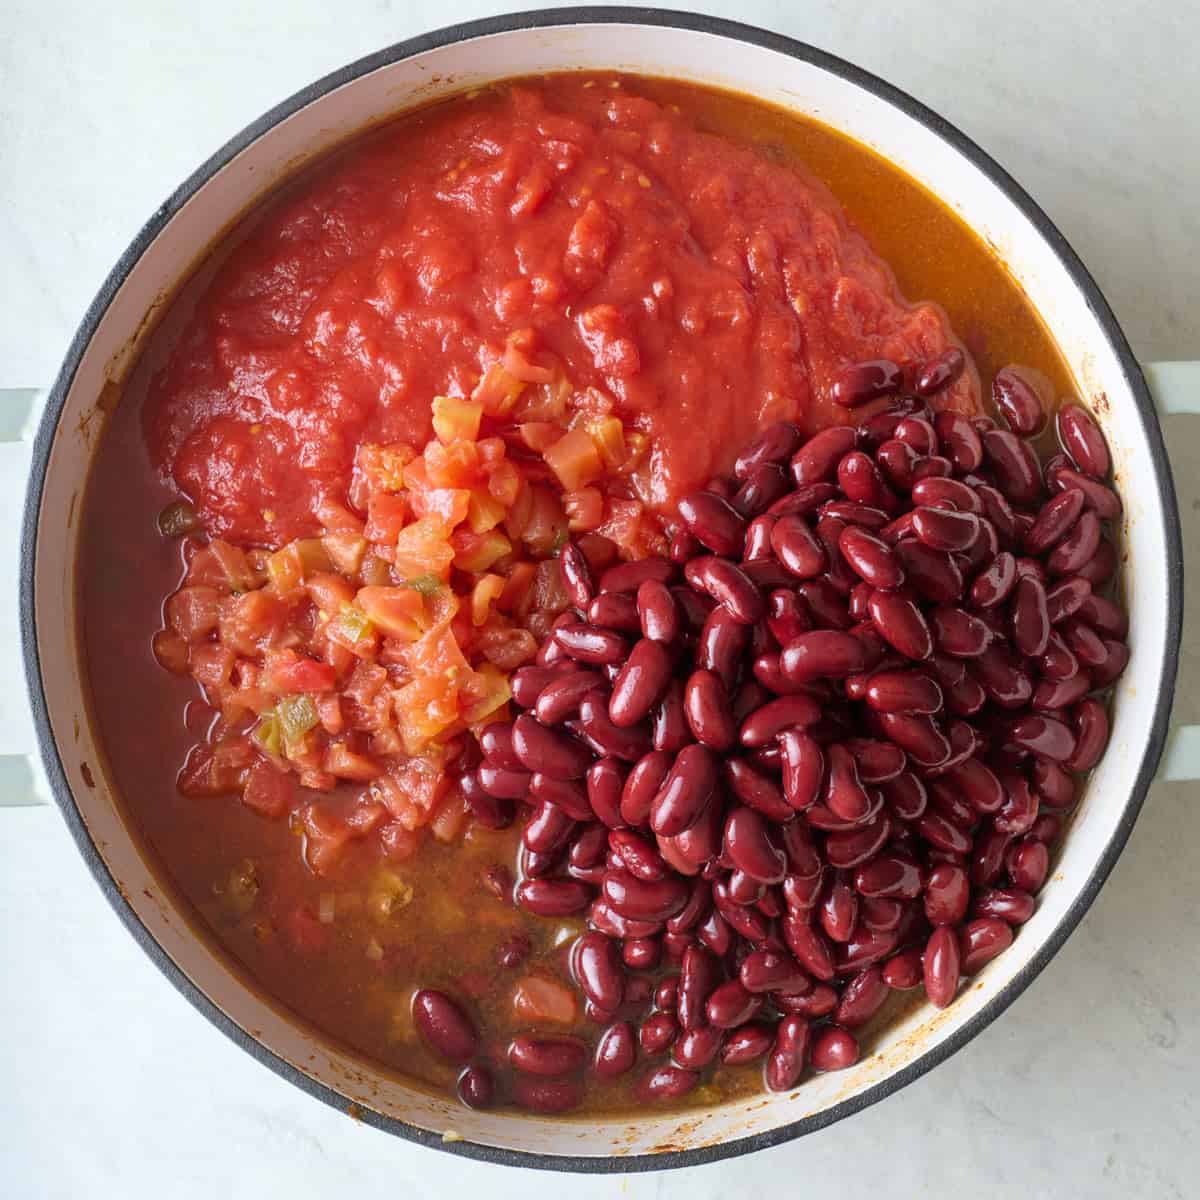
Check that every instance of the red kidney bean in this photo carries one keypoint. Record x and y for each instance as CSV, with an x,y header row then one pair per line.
x,y
820,1002
557,701
1003,677
1082,440
746,1043
1047,829
756,790
728,585
849,849
763,486
757,544
546,1095
443,1025
537,866
809,945
1066,597
503,784
762,727
933,467
699,975
608,738
889,876
786,618
1078,547
642,900
1015,466
947,894
553,897
657,1032
903,972
616,611
747,843
548,830
576,575
900,623
935,575
1115,661
861,998
684,545
860,594
1019,810
488,810
860,481
797,548
744,889
849,513
527,683
1055,520
697,907
629,576
871,558
944,528
1103,501
903,692
730,1005
940,373
802,855
657,612
918,736
981,940
866,946
822,652
548,751
769,971
833,1049
589,847
844,794
701,842
1031,617
709,713
838,910
667,1083
547,1056
696,1048
802,893
1091,727
615,1051
826,604
789,1050
1058,662
605,780
591,644
900,530
861,382
641,954
946,495
959,633
641,859
978,785
1102,566
817,460
942,966
882,915
960,441
987,861
1008,904
906,796
1042,735
1084,642
611,923
722,643
877,761
918,433
1028,864
639,683
776,444
1103,615
685,791
476,1088
496,743
714,522
939,832
1018,402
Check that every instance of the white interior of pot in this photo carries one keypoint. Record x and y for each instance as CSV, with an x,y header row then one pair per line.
x,y
689,55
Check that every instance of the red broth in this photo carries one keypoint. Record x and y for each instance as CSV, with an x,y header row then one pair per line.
x,y
394,272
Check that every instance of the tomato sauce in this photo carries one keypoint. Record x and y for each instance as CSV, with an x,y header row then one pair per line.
x,y
676,251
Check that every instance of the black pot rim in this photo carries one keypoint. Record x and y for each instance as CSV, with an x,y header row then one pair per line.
x,y
547,18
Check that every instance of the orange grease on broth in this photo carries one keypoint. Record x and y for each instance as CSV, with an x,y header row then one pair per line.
x,y
448,934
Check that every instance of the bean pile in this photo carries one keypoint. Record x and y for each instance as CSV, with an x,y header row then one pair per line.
x,y
816,754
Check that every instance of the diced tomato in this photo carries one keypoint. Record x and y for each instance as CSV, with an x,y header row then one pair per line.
x,y
268,790
329,710
451,817
397,611
504,483
452,466
539,436
518,587
330,593
386,515
518,358
484,511
506,646
546,528
325,835
211,667
410,791
171,650
575,460
345,763
290,673
482,693
251,621
455,418
497,391
486,592
584,509
193,612
476,552
423,549
448,505
397,842
537,999
366,815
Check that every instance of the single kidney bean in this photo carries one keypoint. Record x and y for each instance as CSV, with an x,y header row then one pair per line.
x,y
803,858
871,558
756,790
786,1060
697,907
709,713
1055,520
866,946
657,612
786,618
1115,662
844,794
1019,403
1047,828
1028,863
537,866
861,998
443,1025
589,846
943,834
822,652
944,528
860,481
668,722
1058,662
684,545
557,701
864,381
762,487
641,954
606,920
903,691
591,644
553,897
1019,810
639,683
1091,728
1009,904
1066,597
728,585
548,751
833,1049
1103,501
853,847
820,1002
890,876
746,1043
900,623
605,735
838,910
743,889
576,575
723,641
749,846
657,1032
809,945
527,683
959,440
959,633
1030,617
694,607
714,522
496,742
904,971
685,791
503,784
488,810
1015,466
940,373
906,796
849,513
667,1083
882,915
476,1088
796,546
765,724
1082,440
816,461
1084,642
629,576
757,545
1042,735
776,444
981,940
640,857
1003,677
699,974
987,861
978,785
899,530
947,894
769,971
616,611
1078,547
1103,615
946,494
920,738
942,965
540,1095
918,433
548,1056
934,574
548,830
642,900
877,761
615,1051
605,780
696,1048
730,1005
1102,567
826,604
700,843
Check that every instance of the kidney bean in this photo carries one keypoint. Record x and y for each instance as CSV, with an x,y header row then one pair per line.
x,y
616,611
1018,402
906,796
490,811
861,998
629,576
576,575
877,761
1028,864
1015,466
1065,598
861,382
768,971
866,946
503,784
547,1056
1003,677
849,513
639,683
746,1043
606,920
1078,547
1082,440
615,1051
918,735
833,1049
809,945
1019,810
1102,566
747,843
1091,728
817,460
918,433
942,965
947,894
844,794
701,841
940,373
826,604
860,481
608,738
1115,661
443,1025
684,545
960,440
786,1060
589,847
801,893
945,495
1056,519
890,876
871,558
605,780
714,522
640,857
685,791
762,487
1008,904
553,897
666,1084
548,830
699,975
643,900
981,940
475,1087
838,910
903,692
900,623
708,710
1103,615
546,1095
641,954
558,700
1058,662
939,832
959,633
822,652
944,528
797,548
1042,735
757,545
846,850
533,865
1084,642
756,790
591,644
776,444
658,613
657,1032
1031,618
697,907
527,683
730,1005
728,585
1103,501
1047,828
496,743
904,971
742,888
987,860
935,575
547,751
978,785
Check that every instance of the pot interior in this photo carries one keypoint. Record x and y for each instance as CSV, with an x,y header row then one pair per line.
x,y
306,128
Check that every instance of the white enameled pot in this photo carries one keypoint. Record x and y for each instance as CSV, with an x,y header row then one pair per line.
x,y
746,60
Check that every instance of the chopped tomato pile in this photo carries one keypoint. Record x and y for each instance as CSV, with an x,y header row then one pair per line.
x,y
368,655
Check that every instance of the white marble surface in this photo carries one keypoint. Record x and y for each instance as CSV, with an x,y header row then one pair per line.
x,y
109,1082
